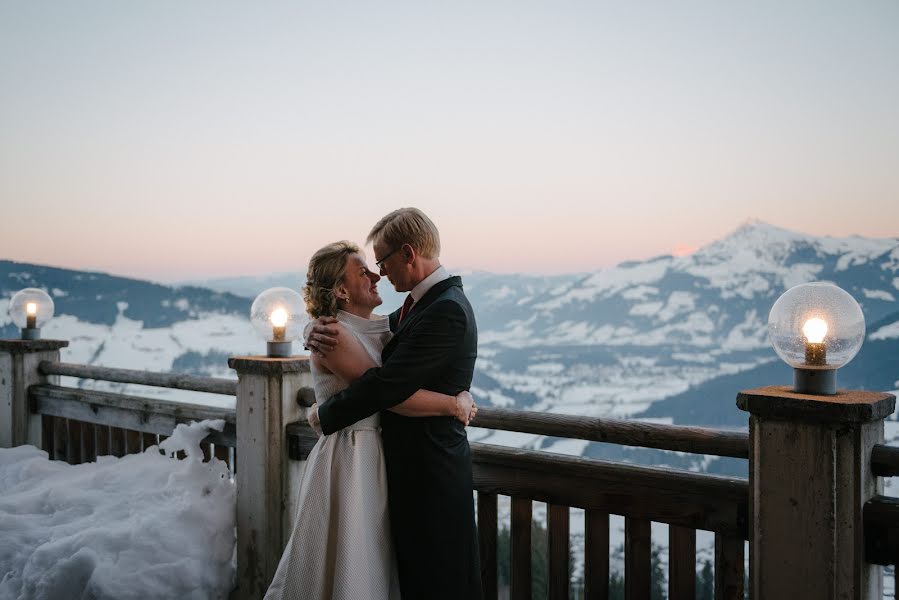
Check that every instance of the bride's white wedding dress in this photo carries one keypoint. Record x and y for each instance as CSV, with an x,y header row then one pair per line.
x,y
341,546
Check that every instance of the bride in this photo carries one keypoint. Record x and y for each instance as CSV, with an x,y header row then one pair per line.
x,y
341,545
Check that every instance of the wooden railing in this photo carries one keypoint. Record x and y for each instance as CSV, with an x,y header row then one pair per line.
x,y
79,424
685,501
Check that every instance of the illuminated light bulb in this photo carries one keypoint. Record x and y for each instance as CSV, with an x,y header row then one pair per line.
x,y
279,321
815,349
31,314
815,329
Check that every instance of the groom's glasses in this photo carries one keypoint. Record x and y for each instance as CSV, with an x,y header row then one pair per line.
x,y
380,263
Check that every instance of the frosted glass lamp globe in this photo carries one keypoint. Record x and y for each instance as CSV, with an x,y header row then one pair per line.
x,y
30,309
816,328
278,316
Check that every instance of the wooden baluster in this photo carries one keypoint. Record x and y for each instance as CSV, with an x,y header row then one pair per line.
x,y
520,552
596,556
48,424
89,442
681,562
102,440
728,568
61,439
132,442
637,559
558,549
149,440
487,543
73,449
117,441
221,452
206,447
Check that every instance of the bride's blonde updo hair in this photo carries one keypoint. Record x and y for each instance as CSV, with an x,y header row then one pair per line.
x,y
326,269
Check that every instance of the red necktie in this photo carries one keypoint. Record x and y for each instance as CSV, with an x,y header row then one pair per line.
x,y
406,306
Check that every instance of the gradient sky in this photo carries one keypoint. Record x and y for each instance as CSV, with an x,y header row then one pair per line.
x,y
172,140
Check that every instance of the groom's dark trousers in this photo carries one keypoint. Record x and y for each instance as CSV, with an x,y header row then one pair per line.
x,y
428,458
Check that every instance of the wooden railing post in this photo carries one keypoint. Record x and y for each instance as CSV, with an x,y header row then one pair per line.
x,y
810,476
266,402
19,360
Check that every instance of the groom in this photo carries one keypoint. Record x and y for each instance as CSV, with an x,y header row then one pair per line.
x,y
428,459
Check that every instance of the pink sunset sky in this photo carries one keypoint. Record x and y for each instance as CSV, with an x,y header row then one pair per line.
x,y
199,139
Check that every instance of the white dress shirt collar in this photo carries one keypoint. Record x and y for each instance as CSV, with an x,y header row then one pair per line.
x,y
428,282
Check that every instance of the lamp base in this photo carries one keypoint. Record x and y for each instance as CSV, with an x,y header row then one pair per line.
x,y
31,333
279,349
822,382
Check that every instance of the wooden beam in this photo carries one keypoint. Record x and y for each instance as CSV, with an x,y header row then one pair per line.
x,y
683,498
596,555
128,412
178,381
487,524
699,440
88,442
48,424
637,559
729,568
681,562
102,440
885,460
693,500
117,441
520,551
881,522
558,527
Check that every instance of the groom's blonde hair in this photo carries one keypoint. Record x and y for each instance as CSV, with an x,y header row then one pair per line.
x,y
407,226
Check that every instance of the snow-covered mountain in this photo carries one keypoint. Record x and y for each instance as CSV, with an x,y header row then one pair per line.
x,y
620,338
670,339
129,323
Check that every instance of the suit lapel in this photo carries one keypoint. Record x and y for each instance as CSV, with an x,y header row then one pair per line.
x,y
415,312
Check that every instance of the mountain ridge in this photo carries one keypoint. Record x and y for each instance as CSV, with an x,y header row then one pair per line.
x,y
670,339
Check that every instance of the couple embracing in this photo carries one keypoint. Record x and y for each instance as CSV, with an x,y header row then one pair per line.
x,y
385,509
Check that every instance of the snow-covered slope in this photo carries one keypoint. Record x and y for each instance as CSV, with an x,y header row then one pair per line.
x,y
128,323
618,339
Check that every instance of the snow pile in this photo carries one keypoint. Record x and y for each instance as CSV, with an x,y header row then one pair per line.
x,y
143,526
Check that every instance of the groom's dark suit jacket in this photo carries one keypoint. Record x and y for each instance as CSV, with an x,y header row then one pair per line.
x,y
428,458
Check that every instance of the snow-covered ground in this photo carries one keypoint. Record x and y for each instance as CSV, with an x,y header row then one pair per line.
x,y
142,527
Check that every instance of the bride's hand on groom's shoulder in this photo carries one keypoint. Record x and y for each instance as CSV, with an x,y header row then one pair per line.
x,y
465,407
320,335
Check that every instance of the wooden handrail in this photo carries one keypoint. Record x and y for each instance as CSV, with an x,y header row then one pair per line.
x,y
684,498
211,385
881,521
885,460
698,440
694,500
135,413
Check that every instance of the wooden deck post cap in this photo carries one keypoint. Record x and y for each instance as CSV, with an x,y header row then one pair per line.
x,y
846,406
265,365
30,346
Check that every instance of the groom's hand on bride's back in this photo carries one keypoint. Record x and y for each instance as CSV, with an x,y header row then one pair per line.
x,y
320,336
